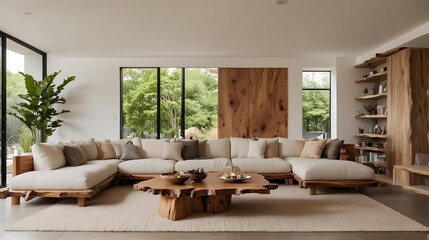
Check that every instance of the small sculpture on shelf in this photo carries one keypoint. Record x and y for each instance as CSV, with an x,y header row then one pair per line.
x,y
377,129
370,108
365,91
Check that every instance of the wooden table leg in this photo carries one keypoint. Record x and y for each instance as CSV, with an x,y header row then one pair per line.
x,y
217,203
175,208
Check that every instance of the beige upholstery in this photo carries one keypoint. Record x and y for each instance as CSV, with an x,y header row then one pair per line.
x,y
148,165
327,169
68,178
209,165
262,165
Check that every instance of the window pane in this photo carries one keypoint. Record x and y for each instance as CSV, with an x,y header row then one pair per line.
x,y
316,79
18,59
171,102
139,89
316,113
201,92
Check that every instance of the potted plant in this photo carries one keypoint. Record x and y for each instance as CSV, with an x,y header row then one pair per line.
x,y
37,110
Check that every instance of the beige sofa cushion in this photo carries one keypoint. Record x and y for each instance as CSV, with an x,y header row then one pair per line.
x,y
327,169
146,166
107,150
153,148
71,178
209,165
287,147
258,165
218,148
256,149
172,151
89,148
313,149
239,147
48,156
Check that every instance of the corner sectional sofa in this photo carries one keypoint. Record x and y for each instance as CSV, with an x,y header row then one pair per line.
x,y
80,169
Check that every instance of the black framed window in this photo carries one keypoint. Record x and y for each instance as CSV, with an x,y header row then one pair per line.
x,y
16,56
316,104
168,102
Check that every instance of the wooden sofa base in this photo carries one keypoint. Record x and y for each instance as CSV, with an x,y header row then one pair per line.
x,y
360,184
287,177
81,195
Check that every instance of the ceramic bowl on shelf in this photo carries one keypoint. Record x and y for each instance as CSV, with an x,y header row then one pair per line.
x,y
174,178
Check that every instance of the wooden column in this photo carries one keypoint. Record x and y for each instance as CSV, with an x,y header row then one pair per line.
x,y
407,105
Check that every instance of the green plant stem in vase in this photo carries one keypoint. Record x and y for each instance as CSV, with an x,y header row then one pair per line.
x,y
37,110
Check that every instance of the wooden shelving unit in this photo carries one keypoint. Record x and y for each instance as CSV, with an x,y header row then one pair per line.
x,y
370,116
372,97
368,135
372,63
374,78
366,148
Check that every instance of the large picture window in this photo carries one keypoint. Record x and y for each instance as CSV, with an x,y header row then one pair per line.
x,y
169,102
16,56
316,104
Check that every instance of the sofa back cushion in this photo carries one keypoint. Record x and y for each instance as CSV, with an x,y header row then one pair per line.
x,y
218,148
239,147
190,149
130,151
256,149
89,148
313,149
172,151
153,148
74,155
332,149
287,147
48,156
107,150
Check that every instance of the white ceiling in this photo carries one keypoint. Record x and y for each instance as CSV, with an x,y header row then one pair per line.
x,y
224,28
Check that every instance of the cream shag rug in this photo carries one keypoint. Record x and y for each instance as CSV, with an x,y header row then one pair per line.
x,y
287,209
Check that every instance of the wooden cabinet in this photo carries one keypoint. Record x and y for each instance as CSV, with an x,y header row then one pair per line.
x,y
253,102
372,144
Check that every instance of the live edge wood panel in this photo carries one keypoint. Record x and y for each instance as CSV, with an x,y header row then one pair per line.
x,y
407,102
253,102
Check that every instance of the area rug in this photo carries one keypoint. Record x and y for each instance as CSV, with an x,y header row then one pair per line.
x,y
287,209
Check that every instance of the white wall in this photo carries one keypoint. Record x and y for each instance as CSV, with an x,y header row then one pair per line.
x,y
93,97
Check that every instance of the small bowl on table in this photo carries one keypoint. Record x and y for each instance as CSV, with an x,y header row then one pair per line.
x,y
174,178
197,177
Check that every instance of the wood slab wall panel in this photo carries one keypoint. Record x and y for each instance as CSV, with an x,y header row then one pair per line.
x,y
407,105
398,100
268,115
233,99
419,63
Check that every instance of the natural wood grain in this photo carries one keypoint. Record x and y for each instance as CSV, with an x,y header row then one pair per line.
x,y
372,97
233,102
374,78
407,105
253,102
313,184
268,115
370,116
368,135
411,177
350,151
179,200
22,164
372,63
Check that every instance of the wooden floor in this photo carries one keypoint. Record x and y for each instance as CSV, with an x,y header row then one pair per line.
x,y
413,205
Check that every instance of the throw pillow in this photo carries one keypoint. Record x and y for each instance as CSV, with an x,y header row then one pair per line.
x,y
153,148
130,152
74,155
218,148
272,147
107,150
257,149
313,149
172,151
48,156
189,149
100,153
202,147
239,147
288,147
332,149
89,148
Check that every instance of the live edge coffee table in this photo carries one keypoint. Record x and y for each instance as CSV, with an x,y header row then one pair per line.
x,y
212,195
